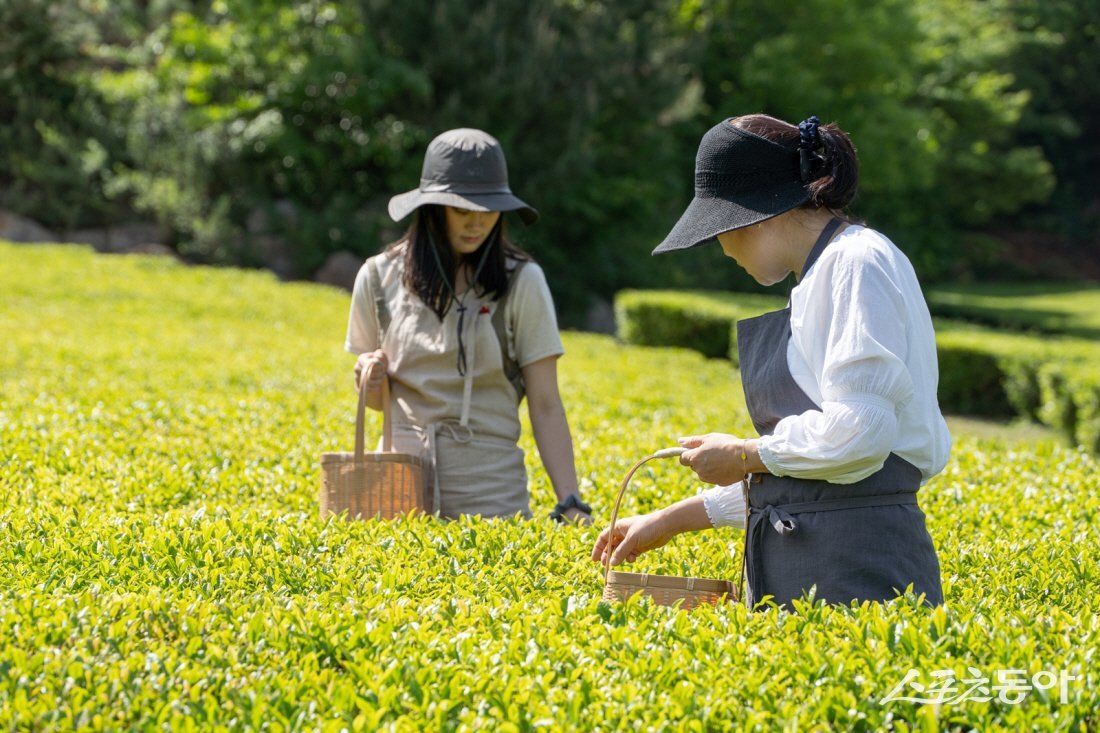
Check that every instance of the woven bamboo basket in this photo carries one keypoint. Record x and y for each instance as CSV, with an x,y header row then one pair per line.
x,y
665,590
366,484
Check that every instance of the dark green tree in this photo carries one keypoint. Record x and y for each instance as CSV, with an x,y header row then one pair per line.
x,y
584,97
253,106
56,142
923,87
1058,64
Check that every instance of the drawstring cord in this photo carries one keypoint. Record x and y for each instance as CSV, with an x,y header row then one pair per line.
x,y
460,304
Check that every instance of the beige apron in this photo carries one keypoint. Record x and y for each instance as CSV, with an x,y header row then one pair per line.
x,y
466,428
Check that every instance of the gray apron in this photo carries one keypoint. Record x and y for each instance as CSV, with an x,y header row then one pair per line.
x,y
865,541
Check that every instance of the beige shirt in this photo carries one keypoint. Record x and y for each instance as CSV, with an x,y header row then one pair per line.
x,y
479,466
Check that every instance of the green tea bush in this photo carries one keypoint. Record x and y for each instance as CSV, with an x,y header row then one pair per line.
x,y
982,371
993,373
701,320
164,565
1067,308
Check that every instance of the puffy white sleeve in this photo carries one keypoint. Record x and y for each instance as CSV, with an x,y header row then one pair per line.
x,y
850,327
725,505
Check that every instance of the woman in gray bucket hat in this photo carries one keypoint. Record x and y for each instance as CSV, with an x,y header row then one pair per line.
x,y
840,385
463,324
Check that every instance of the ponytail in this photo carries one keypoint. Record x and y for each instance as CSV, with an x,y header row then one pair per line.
x,y
829,165
836,177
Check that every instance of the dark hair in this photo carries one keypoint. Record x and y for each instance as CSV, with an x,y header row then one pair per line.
x,y
428,231
836,180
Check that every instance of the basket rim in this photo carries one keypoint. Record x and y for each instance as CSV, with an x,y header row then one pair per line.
x,y
375,457
675,582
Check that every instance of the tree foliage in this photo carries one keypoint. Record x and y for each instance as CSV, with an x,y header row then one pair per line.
x,y
55,139
250,104
240,122
920,87
1058,64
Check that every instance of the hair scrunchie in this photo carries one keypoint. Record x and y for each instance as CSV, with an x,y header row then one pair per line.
x,y
809,141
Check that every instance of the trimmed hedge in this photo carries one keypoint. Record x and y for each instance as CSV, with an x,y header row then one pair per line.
x,y
1085,395
1051,380
1065,309
1054,381
700,319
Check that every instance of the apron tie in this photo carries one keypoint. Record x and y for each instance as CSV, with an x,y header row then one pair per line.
x,y
781,521
458,432
750,566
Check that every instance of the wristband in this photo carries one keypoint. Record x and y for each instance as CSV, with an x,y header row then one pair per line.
x,y
570,502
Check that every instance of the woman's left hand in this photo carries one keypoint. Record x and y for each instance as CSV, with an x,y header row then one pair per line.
x,y
715,457
633,536
363,366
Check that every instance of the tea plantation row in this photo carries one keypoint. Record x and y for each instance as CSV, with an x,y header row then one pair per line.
x,y
163,567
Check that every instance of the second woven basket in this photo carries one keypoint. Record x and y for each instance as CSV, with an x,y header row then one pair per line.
x,y
665,590
367,484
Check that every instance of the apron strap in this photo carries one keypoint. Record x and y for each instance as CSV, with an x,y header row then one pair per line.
x,y
381,309
844,502
507,346
468,378
819,246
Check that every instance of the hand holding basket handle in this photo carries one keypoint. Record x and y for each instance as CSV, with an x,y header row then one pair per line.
x,y
371,369
631,537
375,367
625,540
366,484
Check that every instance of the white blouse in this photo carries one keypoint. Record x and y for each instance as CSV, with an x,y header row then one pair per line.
x,y
863,348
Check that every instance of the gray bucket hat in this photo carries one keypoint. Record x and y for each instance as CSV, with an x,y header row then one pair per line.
x,y
464,168
741,179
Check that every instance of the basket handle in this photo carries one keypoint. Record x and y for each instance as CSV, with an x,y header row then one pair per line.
x,y
361,413
663,453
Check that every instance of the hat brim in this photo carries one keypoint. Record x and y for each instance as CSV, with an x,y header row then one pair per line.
x,y
707,217
404,204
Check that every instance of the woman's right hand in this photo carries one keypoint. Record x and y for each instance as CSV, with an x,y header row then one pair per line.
x,y
633,536
363,364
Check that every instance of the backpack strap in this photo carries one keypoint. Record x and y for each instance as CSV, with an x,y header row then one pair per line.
x,y
381,310
507,350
